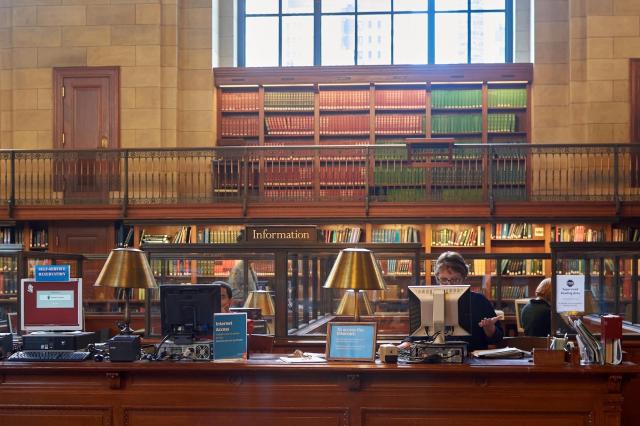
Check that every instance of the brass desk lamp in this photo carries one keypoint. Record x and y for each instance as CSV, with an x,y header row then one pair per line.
x,y
126,268
262,299
355,269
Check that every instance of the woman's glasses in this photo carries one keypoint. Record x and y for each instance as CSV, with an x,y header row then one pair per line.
x,y
450,281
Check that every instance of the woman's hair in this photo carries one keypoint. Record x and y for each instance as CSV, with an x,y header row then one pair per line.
x,y
225,287
454,261
544,289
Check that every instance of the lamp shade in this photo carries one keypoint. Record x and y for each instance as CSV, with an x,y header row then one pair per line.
x,y
126,268
261,299
347,305
355,269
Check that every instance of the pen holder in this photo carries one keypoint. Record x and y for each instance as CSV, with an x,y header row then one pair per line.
x,y
548,357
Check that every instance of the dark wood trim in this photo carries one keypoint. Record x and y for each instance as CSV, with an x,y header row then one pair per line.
x,y
113,73
374,73
634,87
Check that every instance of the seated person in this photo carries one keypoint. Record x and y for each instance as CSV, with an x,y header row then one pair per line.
x,y
239,287
536,315
451,269
225,302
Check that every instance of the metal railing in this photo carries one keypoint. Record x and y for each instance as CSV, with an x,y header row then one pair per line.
x,y
476,173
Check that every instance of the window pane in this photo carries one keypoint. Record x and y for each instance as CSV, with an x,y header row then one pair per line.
x,y
451,38
487,4
374,40
410,39
261,6
451,4
487,37
297,6
297,40
262,42
338,6
338,40
402,5
374,5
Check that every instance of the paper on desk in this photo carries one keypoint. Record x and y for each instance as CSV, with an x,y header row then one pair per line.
x,y
307,358
501,353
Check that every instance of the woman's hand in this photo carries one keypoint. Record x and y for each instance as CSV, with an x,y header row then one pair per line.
x,y
489,325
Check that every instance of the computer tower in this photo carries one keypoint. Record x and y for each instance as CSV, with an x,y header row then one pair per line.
x,y
6,344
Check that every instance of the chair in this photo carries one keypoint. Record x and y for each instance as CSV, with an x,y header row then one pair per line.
x,y
526,343
260,343
520,303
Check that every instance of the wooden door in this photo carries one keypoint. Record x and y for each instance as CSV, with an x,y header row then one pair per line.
x,y
634,85
86,238
86,118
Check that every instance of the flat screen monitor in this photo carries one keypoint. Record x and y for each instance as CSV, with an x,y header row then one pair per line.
x,y
440,308
186,311
51,306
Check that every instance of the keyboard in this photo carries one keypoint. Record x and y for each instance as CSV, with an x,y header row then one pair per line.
x,y
47,356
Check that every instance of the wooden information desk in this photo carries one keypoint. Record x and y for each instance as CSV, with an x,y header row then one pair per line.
x,y
266,392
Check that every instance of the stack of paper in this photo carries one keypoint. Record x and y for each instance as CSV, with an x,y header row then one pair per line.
x,y
591,351
502,353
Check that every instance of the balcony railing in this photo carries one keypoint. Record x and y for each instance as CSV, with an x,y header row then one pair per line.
x,y
458,173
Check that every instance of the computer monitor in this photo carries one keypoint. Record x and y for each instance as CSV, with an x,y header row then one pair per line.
x,y
186,311
51,306
439,311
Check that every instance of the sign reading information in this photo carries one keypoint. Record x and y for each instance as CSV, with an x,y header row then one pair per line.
x,y
282,234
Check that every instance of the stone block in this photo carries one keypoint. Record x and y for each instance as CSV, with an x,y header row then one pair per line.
x,y
135,34
551,32
169,77
550,95
196,18
559,134
621,91
25,139
169,97
551,116
148,138
599,47
169,138
579,114
191,4
25,99
51,16
37,37
196,100
195,120
195,58
169,118
578,49
599,7
45,99
169,56
128,138
600,91
609,112
32,119
578,28
148,55
141,118
5,38
195,139
626,47
613,26
5,17
194,38
25,57
626,7
127,97
32,78
600,133
62,57
195,80
148,97
608,69
24,16
140,76
111,55
621,133
148,14
121,14
86,36
169,14
552,53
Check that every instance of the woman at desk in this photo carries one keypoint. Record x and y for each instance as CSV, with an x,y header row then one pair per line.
x,y
451,269
536,315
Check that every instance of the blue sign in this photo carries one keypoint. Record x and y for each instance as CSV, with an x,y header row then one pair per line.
x,y
351,341
52,273
230,337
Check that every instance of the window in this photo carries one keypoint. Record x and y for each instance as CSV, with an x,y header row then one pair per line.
x,y
359,32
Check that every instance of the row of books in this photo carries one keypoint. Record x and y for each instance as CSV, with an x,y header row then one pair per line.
x,y
401,195
469,237
522,266
296,175
344,99
509,231
399,177
214,268
8,264
625,234
509,174
39,238
578,234
239,101
10,235
342,174
288,194
408,234
396,266
289,125
342,235
456,99
171,268
218,235
501,123
348,124
288,101
457,194
242,125
8,285
449,176
406,124
507,98
351,194
456,123
401,99
511,291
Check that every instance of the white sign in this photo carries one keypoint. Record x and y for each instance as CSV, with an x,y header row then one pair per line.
x,y
570,293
